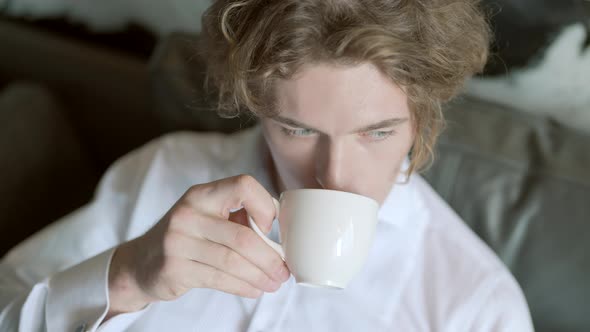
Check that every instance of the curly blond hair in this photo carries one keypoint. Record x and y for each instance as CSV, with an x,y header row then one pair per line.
x,y
427,47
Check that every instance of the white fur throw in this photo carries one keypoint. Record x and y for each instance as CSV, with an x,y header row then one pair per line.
x,y
557,86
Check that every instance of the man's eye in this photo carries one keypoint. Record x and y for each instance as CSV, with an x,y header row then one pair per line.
x,y
297,132
378,135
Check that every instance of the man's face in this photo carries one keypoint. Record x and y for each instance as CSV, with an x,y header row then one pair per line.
x,y
339,128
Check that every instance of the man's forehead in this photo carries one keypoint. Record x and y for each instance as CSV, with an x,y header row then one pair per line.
x,y
330,98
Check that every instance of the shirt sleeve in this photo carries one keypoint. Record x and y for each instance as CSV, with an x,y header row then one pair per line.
x,y
57,280
502,308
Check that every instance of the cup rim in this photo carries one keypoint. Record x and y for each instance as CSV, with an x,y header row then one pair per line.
x,y
332,190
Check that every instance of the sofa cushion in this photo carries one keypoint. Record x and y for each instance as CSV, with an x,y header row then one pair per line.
x,y
523,185
104,93
44,173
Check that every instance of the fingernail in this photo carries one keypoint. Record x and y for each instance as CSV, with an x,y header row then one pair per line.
x,y
273,286
277,276
267,230
287,274
282,274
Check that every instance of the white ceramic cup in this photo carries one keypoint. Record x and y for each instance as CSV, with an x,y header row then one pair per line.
x,y
325,234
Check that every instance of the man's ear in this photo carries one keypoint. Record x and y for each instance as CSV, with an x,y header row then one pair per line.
x,y
414,126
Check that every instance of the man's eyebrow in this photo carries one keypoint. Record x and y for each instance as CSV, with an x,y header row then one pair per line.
x,y
381,124
292,123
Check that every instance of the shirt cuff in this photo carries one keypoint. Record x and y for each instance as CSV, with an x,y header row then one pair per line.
x,y
122,321
77,299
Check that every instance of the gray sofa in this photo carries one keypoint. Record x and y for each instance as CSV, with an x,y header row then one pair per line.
x,y
523,185
521,182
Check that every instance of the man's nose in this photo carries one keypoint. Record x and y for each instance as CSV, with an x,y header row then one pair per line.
x,y
330,168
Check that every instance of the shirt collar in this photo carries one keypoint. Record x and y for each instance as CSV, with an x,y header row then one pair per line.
x,y
401,200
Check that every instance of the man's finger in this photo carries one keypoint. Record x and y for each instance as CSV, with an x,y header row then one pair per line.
x,y
224,259
247,243
210,277
222,197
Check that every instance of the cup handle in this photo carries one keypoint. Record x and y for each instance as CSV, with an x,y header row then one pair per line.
x,y
275,246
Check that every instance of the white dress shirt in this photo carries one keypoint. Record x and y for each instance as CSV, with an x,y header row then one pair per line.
x,y
426,270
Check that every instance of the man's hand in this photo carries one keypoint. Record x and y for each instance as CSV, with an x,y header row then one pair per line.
x,y
200,244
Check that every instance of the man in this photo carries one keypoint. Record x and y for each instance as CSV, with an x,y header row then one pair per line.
x,y
348,94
